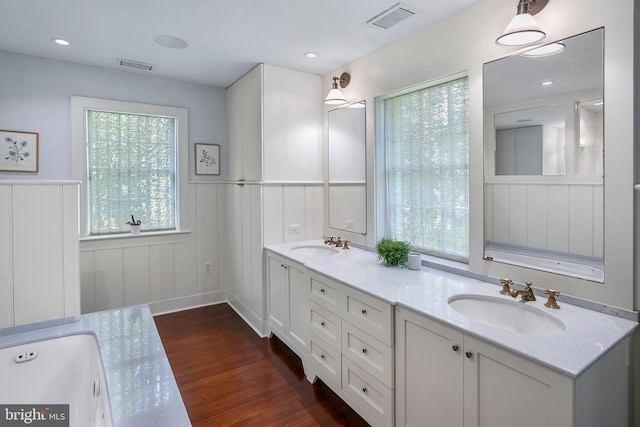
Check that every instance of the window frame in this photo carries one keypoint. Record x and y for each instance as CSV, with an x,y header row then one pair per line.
x,y
79,105
381,196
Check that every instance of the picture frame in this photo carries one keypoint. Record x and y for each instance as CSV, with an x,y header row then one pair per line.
x,y
18,151
207,159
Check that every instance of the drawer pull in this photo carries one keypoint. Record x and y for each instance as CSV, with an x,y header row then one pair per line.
x,y
322,290
322,324
455,348
364,351
364,390
468,354
322,356
364,311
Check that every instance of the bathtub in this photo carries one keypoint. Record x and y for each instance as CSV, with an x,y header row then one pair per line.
x,y
63,370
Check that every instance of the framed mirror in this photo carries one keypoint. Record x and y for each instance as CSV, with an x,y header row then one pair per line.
x,y
347,168
543,159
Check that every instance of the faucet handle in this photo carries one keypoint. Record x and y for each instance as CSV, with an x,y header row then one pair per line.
x,y
551,302
505,286
346,245
339,242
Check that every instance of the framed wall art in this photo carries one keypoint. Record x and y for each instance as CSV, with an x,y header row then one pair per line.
x,y
207,159
18,151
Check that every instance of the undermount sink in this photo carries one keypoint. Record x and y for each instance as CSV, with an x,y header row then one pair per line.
x,y
515,316
315,250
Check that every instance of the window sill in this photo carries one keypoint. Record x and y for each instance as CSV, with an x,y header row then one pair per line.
x,y
142,234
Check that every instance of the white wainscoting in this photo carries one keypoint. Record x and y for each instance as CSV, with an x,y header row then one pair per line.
x,y
39,276
566,218
229,225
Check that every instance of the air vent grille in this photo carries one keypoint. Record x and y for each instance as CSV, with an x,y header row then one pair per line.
x,y
391,16
127,63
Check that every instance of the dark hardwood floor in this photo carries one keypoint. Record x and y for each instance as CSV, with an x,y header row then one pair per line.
x,y
228,376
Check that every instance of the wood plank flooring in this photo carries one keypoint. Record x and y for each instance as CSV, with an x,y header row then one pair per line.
x,y
228,376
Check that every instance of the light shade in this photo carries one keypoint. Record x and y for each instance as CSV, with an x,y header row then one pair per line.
x,y
523,30
335,97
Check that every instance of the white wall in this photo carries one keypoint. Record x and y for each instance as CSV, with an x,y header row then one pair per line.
x,y
462,43
34,97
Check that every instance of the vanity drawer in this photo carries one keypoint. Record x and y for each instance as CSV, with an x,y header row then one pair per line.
x,y
370,314
369,393
327,294
368,352
325,324
326,358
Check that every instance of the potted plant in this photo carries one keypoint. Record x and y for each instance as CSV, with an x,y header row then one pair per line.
x,y
392,252
135,225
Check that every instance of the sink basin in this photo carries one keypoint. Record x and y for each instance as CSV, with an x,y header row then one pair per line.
x,y
515,316
315,250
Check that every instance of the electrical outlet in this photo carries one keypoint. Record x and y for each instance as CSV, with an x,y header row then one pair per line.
x,y
207,268
294,229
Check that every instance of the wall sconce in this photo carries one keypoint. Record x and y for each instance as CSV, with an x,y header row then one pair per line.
x,y
523,30
335,96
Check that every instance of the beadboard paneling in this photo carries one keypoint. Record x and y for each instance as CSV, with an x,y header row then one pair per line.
x,y
6,258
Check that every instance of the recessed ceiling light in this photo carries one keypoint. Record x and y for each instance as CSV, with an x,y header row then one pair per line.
x,y
171,42
310,54
547,83
61,42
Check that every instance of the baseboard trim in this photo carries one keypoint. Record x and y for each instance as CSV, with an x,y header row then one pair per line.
x,y
186,303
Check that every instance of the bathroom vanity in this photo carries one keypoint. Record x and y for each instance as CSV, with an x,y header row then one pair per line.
x,y
409,347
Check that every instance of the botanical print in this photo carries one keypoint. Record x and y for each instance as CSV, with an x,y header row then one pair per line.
x,y
207,159
18,151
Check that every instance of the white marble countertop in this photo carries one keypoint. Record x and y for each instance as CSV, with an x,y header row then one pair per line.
x,y
142,389
588,334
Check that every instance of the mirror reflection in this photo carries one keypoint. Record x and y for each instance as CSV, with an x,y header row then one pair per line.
x,y
544,145
347,170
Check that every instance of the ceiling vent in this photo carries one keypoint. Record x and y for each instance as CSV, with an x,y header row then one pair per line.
x,y
127,63
391,16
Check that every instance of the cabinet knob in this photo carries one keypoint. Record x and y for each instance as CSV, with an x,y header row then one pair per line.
x,y
322,324
364,351
364,311
455,348
468,354
364,390
322,356
322,290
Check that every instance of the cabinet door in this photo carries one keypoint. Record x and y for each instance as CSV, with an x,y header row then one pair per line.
x,y
277,288
298,310
429,377
252,125
234,126
505,390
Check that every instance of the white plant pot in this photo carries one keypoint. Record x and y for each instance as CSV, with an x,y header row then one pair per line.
x,y
135,229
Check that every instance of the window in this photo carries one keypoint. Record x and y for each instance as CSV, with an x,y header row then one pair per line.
x,y
130,160
426,170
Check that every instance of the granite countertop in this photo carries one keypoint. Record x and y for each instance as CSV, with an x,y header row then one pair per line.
x,y
142,389
588,335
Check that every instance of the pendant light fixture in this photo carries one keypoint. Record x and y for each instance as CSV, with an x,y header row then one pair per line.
x,y
523,29
335,96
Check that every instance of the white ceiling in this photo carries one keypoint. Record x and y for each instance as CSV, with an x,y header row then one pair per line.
x,y
226,39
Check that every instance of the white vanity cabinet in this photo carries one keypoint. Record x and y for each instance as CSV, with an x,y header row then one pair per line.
x,y
274,120
351,347
447,378
287,284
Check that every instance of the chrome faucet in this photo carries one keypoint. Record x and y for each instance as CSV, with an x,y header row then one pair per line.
x,y
526,294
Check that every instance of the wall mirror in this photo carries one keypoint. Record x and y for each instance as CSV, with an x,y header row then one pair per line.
x,y
543,159
347,168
